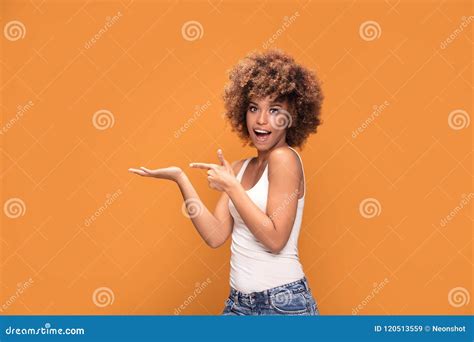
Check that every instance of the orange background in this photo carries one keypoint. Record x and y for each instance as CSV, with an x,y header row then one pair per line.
x,y
151,79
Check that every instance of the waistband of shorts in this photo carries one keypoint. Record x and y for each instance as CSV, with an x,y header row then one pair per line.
x,y
267,293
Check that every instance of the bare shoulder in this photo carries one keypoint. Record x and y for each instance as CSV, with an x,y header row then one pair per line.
x,y
286,157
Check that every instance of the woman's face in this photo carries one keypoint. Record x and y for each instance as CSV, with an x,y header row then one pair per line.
x,y
267,121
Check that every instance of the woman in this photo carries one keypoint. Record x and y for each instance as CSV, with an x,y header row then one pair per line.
x,y
274,104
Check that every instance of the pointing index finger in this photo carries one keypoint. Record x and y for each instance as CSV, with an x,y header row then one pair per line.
x,y
203,166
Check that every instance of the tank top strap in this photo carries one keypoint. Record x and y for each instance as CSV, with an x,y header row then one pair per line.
x,y
302,168
242,169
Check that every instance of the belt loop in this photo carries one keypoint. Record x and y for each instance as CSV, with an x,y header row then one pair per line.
x,y
306,285
236,297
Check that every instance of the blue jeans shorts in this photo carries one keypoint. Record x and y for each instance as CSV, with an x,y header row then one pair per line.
x,y
290,299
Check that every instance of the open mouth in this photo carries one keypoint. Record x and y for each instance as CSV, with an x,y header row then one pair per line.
x,y
261,134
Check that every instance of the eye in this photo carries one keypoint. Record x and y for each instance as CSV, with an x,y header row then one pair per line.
x,y
252,109
275,110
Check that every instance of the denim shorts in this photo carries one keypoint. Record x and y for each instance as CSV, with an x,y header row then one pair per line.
x,y
290,299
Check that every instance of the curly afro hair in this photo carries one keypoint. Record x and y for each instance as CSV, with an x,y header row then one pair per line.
x,y
274,73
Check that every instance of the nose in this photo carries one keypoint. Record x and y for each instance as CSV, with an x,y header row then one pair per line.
x,y
262,117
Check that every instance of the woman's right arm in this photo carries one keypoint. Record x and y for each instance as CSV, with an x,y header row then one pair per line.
x,y
213,228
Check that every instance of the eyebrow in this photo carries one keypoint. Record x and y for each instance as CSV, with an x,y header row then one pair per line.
x,y
272,103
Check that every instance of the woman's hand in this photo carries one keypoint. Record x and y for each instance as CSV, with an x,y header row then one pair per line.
x,y
172,173
220,177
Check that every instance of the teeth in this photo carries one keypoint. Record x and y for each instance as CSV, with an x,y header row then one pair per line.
x,y
261,131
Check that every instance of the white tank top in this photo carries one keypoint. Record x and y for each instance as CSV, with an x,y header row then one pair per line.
x,y
253,268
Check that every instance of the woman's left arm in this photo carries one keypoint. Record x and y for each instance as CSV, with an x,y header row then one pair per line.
x,y
272,228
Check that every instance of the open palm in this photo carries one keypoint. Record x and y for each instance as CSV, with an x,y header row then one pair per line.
x,y
171,173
